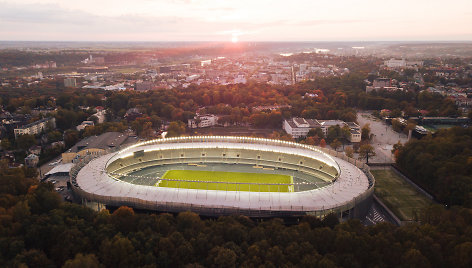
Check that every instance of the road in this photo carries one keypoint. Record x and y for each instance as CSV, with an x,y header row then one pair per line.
x,y
384,137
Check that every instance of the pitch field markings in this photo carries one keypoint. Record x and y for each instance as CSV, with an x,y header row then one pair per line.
x,y
235,181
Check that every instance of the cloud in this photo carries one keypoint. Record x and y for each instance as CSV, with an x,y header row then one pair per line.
x,y
47,20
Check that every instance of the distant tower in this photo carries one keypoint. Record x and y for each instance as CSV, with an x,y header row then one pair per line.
x,y
70,82
294,76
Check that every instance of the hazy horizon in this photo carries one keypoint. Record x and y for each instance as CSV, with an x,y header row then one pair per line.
x,y
245,20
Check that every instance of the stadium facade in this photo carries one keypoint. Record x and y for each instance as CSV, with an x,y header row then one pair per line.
x,y
324,181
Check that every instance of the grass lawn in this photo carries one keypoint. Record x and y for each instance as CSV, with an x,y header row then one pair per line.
x,y
402,198
221,176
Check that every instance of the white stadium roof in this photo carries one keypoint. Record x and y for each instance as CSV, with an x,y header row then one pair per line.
x,y
349,188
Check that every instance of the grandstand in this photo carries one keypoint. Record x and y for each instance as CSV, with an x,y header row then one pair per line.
x,y
214,175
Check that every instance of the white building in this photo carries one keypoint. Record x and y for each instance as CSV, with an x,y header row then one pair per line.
x,y
31,160
394,63
240,79
199,121
100,114
298,127
35,127
84,125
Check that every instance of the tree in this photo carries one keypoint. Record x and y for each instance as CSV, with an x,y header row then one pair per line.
x,y
175,129
316,132
222,257
6,144
54,136
24,142
80,260
349,152
365,151
334,132
71,137
396,149
335,144
410,126
323,143
118,252
365,132
396,125
345,134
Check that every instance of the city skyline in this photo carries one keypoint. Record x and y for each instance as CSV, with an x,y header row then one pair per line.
x,y
211,20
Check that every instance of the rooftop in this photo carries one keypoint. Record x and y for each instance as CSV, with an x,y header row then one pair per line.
x,y
36,122
105,141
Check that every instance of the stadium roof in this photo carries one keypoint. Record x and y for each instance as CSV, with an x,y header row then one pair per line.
x,y
350,187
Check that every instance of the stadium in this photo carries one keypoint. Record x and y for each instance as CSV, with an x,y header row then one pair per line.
x,y
219,175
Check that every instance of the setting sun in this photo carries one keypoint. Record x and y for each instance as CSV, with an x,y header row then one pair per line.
x,y
234,38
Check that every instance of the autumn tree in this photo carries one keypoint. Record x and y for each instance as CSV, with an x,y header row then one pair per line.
x,y
365,132
323,143
349,152
175,129
335,144
365,151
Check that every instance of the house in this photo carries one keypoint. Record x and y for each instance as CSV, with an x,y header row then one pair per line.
x,y
84,125
36,127
31,160
132,114
299,127
199,121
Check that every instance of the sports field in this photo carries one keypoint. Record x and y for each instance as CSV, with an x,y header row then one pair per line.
x,y
398,195
236,181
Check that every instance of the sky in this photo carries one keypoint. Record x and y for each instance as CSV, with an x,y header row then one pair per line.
x,y
237,20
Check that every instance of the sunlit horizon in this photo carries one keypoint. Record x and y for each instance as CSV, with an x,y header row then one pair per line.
x,y
213,20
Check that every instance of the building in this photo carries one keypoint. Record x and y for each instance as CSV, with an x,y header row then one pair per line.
x,y
100,114
299,127
132,114
143,86
36,127
31,160
94,145
394,63
164,69
356,133
70,82
382,82
199,121
84,125
99,60
116,179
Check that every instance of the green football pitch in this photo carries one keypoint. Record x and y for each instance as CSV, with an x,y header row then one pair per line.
x,y
232,181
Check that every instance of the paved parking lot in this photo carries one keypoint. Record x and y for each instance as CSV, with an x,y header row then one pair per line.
x,y
60,185
384,137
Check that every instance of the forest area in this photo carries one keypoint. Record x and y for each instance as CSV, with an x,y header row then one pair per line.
x,y
38,230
